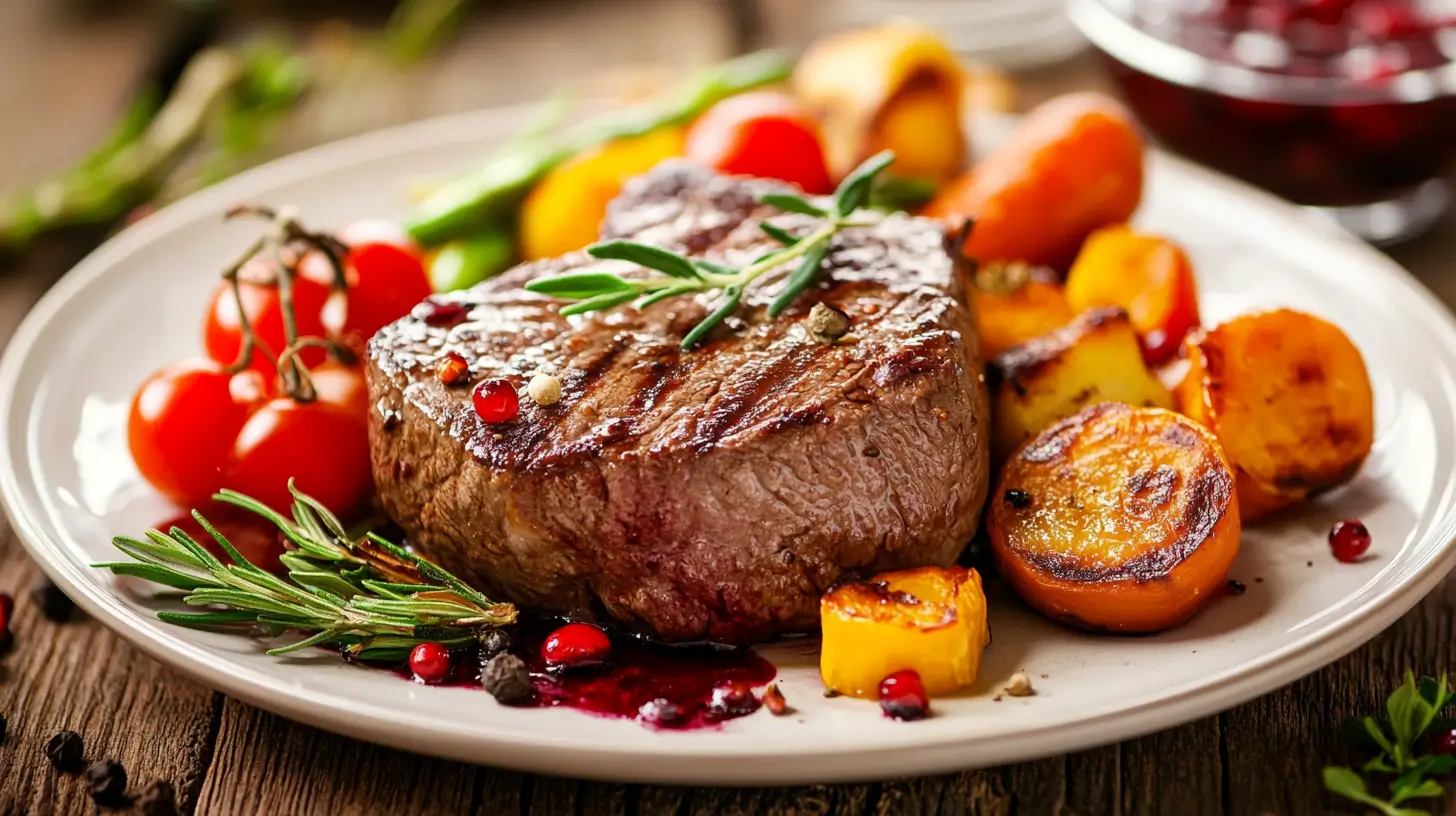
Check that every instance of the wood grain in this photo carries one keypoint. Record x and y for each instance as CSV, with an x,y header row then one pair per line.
x,y
226,757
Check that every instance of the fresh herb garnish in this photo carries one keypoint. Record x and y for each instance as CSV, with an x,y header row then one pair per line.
x,y
682,275
363,595
1410,712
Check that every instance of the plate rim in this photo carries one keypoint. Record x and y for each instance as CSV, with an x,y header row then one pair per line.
x,y
668,761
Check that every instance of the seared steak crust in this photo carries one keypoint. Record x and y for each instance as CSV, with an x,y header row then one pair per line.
x,y
711,494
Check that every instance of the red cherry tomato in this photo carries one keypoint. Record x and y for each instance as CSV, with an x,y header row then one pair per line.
x,y
378,231
222,331
184,419
761,134
323,447
344,386
386,275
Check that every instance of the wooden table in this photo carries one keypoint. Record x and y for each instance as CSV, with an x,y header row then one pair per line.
x,y
61,84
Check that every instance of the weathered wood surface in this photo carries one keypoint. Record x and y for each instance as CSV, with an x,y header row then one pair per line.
x,y
60,85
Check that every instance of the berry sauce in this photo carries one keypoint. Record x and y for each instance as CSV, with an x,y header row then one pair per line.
x,y
640,672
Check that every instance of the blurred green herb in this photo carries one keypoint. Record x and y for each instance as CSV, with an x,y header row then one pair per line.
x,y
227,105
682,275
1397,739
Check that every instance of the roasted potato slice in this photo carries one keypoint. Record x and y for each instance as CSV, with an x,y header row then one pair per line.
x,y
1095,358
932,620
1288,396
1118,518
1015,303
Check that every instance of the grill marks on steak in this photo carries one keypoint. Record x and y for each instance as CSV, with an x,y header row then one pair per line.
x,y
712,493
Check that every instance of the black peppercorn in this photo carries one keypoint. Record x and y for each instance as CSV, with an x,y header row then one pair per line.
x,y
506,678
1236,587
53,603
158,798
1019,499
492,642
108,783
65,751
661,713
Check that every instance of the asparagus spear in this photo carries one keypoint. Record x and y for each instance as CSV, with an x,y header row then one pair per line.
x,y
463,263
489,193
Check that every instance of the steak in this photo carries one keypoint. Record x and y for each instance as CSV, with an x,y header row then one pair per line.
x,y
711,494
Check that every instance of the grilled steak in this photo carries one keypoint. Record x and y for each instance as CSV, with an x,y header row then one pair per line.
x,y
711,494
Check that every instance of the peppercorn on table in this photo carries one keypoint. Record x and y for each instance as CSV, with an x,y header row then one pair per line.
x,y
221,756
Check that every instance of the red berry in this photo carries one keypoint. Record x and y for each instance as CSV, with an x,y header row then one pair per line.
x,y
575,645
440,312
430,662
452,369
1349,540
7,610
1444,742
496,401
903,697
733,699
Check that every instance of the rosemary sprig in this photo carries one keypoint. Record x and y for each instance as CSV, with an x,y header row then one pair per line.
x,y
682,275
364,595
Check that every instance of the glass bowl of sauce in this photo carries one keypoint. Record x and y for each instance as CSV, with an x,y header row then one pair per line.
x,y
1347,106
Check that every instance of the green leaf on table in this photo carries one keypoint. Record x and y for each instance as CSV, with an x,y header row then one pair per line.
x,y
1406,711
578,285
1376,733
1346,783
653,257
1411,786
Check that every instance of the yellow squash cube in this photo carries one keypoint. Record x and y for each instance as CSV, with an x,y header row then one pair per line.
x,y
932,620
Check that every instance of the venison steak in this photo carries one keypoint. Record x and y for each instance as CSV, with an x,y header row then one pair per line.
x,y
711,494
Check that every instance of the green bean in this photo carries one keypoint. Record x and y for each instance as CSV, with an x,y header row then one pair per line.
x,y
493,192
463,263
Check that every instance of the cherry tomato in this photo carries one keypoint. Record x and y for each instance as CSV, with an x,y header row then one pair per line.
x,y
184,419
761,134
323,447
344,386
222,332
386,277
378,231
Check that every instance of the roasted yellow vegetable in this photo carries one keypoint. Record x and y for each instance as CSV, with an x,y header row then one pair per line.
x,y
1095,358
1118,519
1014,303
1289,397
564,211
932,620
895,86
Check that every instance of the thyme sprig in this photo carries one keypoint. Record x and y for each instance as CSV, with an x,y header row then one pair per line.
x,y
1398,740
369,598
682,275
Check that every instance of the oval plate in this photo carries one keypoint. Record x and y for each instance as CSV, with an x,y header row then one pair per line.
x,y
69,485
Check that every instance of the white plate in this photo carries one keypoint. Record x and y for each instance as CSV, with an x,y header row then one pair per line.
x,y
135,303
